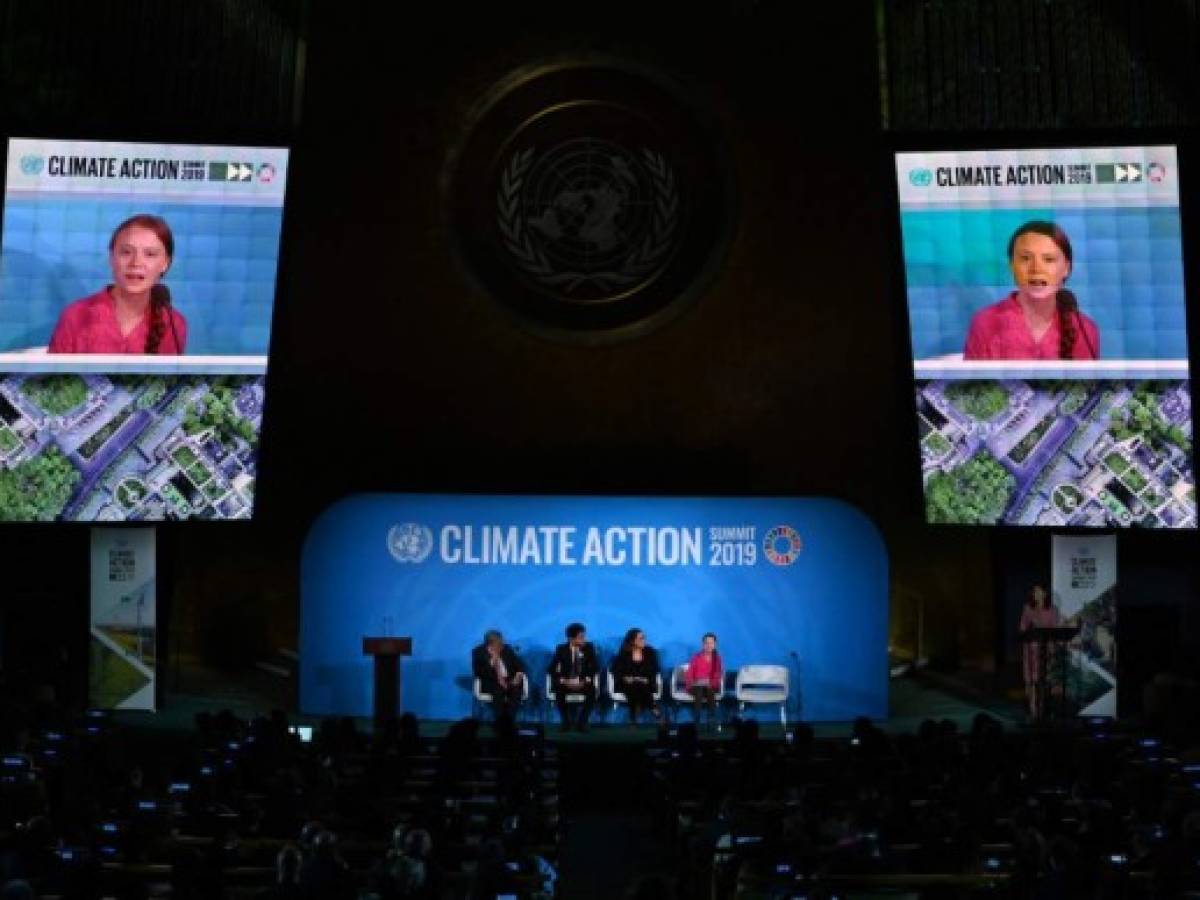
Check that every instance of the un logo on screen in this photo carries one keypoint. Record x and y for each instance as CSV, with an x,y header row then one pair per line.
x,y
410,542
31,165
920,177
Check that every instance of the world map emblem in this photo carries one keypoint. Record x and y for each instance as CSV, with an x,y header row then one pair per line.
x,y
592,201
782,545
409,542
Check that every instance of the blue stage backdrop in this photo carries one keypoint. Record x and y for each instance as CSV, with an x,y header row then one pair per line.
x,y
796,582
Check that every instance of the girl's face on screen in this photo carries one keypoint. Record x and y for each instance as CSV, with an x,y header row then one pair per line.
x,y
138,259
709,645
1039,266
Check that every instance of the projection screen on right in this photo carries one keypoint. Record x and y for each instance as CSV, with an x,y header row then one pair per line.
x,y
1049,337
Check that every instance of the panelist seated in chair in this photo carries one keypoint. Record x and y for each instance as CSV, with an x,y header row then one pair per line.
x,y
705,677
500,672
573,672
636,674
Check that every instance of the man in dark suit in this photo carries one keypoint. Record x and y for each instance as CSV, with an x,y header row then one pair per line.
x,y
500,672
573,671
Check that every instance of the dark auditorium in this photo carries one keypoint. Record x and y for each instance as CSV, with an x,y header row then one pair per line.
x,y
737,450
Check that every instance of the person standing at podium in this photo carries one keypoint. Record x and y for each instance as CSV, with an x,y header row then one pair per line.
x,y
500,672
1039,611
573,671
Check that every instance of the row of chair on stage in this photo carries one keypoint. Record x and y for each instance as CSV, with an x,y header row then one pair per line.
x,y
576,682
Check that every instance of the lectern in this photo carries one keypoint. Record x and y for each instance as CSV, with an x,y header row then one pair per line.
x,y
387,652
1044,639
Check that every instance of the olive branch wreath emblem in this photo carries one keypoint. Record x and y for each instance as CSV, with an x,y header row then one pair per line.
x,y
641,260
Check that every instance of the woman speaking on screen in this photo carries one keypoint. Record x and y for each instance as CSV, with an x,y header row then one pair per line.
x,y
134,313
1041,318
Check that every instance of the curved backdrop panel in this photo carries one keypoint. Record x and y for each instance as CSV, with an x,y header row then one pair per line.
x,y
800,583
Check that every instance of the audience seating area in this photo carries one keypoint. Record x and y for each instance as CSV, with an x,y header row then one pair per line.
x,y
1086,813
245,809
239,809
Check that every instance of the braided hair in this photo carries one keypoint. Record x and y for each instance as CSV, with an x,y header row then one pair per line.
x,y
1064,303
1066,327
160,296
160,309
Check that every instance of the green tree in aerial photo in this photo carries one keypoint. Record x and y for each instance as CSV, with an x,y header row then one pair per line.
x,y
980,400
216,410
975,493
56,394
38,489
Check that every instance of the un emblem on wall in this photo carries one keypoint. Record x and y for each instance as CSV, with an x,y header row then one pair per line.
x,y
410,542
588,216
590,200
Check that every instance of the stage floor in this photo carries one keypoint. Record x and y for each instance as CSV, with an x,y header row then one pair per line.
x,y
911,700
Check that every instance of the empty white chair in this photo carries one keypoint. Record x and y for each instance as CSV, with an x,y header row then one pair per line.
x,y
483,700
763,684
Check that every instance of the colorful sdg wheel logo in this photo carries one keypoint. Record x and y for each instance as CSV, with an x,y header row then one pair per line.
x,y
782,545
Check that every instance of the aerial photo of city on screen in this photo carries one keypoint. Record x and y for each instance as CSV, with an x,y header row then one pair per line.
x,y
91,447
1057,453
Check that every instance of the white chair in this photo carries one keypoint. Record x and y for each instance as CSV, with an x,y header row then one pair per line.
x,y
680,693
763,684
619,696
483,700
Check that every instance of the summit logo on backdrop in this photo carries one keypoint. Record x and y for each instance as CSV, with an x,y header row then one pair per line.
x,y
782,545
409,542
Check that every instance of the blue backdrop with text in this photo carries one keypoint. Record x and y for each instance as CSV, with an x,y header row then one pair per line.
x,y
796,582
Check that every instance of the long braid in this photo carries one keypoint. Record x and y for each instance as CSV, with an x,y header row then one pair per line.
x,y
160,308
1066,331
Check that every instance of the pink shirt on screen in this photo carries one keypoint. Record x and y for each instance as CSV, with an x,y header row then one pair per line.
x,y
90,326
999,331
704,670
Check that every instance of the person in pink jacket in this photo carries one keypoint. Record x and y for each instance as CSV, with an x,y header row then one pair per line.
x,y
133,314
704,677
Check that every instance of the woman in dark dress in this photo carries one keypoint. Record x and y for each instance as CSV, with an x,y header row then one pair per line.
x,y
635,674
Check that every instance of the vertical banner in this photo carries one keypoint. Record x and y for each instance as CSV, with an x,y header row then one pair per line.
x,y
123,633
1084,586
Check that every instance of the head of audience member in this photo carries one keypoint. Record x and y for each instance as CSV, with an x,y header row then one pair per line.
x,y
802,738
418,843
410,732
576,634
745,732
308,836
687,738
287,865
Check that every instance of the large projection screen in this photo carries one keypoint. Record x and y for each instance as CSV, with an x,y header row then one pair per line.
x,y
137,283
1047,312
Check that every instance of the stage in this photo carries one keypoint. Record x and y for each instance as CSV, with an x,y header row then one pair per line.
x,y
912,699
